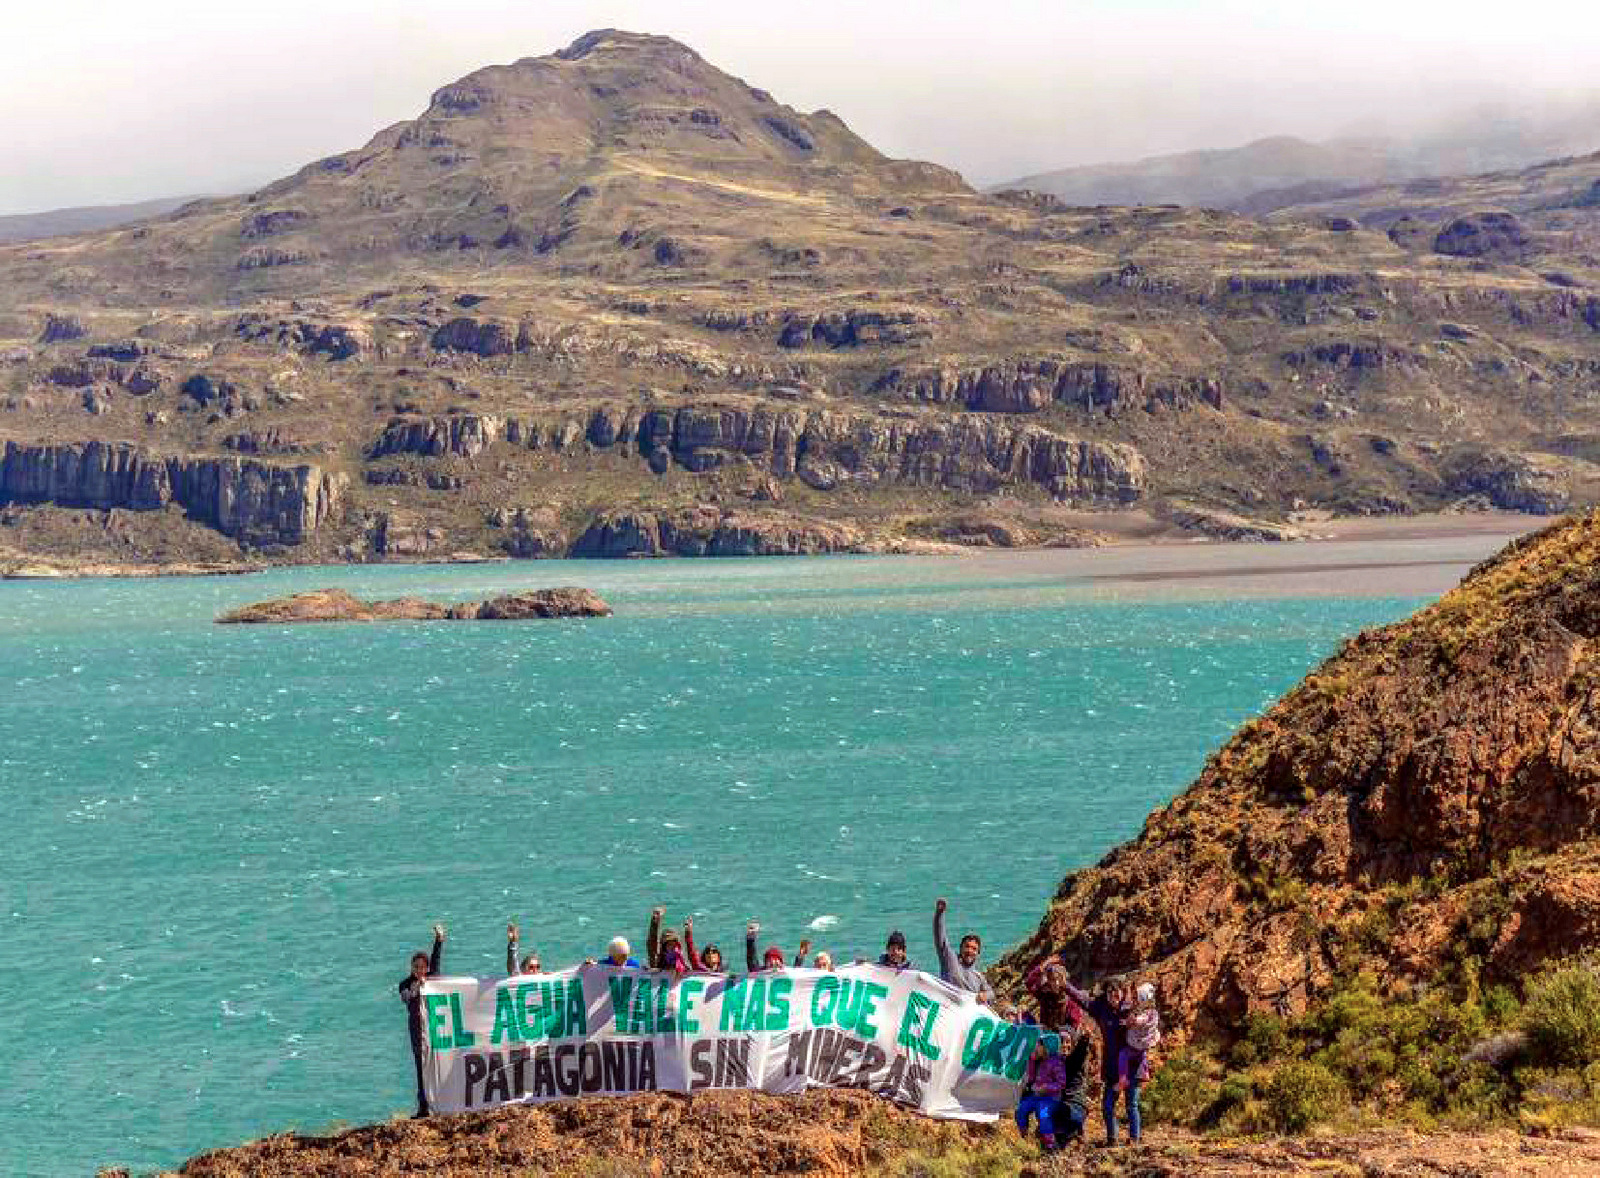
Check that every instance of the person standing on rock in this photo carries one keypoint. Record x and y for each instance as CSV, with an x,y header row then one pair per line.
x,y
530,963
894,952
1110,1013
423,967
960,969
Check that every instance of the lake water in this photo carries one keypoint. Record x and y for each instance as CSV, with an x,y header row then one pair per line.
x,y
227,840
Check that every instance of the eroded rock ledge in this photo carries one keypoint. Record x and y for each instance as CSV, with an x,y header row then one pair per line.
x,y
336,605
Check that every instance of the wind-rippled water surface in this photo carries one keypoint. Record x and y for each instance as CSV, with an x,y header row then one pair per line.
x,y
226,840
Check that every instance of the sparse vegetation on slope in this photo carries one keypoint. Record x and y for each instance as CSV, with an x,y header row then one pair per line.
x,y
617,280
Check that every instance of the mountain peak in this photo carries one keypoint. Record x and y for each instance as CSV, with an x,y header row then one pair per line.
x,y
620,39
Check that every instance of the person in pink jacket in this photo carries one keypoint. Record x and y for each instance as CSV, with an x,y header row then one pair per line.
x,y
1041,1089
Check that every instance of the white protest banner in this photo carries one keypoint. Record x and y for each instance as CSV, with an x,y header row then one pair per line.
x,y
598,1030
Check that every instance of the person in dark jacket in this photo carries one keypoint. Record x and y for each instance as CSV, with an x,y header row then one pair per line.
x,y
1072,1107
1110,1010
771,959
894,952
423,967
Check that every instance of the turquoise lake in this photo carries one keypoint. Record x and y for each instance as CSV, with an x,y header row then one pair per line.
x,y
227,840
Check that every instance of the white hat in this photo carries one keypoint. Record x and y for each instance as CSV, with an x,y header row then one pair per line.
x,y
619,945
1146,992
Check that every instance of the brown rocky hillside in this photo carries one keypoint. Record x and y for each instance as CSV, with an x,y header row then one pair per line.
x,y
1427,798
614,301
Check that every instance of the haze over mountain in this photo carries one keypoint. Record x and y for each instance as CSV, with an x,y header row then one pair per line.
x,y
110,103
1269,173
58,222
614,301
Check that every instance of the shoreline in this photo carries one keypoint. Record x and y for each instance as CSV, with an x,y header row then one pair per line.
x,y
1127,532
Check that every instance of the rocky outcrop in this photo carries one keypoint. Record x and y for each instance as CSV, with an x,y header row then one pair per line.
x,y
853,328
822,448
1431,793
1508,481
1027,386
709,531
256,503
337,605
1494,235
60,328
480,337
336,341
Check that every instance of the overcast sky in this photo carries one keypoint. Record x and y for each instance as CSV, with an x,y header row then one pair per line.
x,y
105,102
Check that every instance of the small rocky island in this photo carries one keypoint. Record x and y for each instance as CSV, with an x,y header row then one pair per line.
x,y
336,605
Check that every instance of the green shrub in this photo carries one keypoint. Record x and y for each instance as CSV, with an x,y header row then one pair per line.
x,y
1299,1095
1561,1014
1180,1092
1266,1038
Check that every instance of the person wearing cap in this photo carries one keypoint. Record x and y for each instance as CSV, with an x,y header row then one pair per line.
x,y
1041,1089
530,963
662,947
771,959
960,969
894,952
423,967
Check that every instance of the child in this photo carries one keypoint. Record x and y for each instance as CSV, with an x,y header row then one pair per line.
x,y
1041,1089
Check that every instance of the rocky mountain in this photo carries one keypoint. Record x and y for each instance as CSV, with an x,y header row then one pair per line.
x,y
87,219
615,301
1423,808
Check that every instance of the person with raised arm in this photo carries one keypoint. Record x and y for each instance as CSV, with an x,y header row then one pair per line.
x,y
960,968
1110,1013
529,964
707,960
423,967
771,959
662,948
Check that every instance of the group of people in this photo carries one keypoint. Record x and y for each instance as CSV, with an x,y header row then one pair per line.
x,y
1054,1093
1054,1090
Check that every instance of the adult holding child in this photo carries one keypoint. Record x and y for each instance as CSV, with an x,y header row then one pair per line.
x,y
1110,1011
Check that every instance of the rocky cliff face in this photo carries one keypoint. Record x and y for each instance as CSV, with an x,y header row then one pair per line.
x,y
1430,793
256,503
823,449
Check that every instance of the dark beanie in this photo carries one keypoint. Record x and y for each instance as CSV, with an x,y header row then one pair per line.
x,y
896,938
